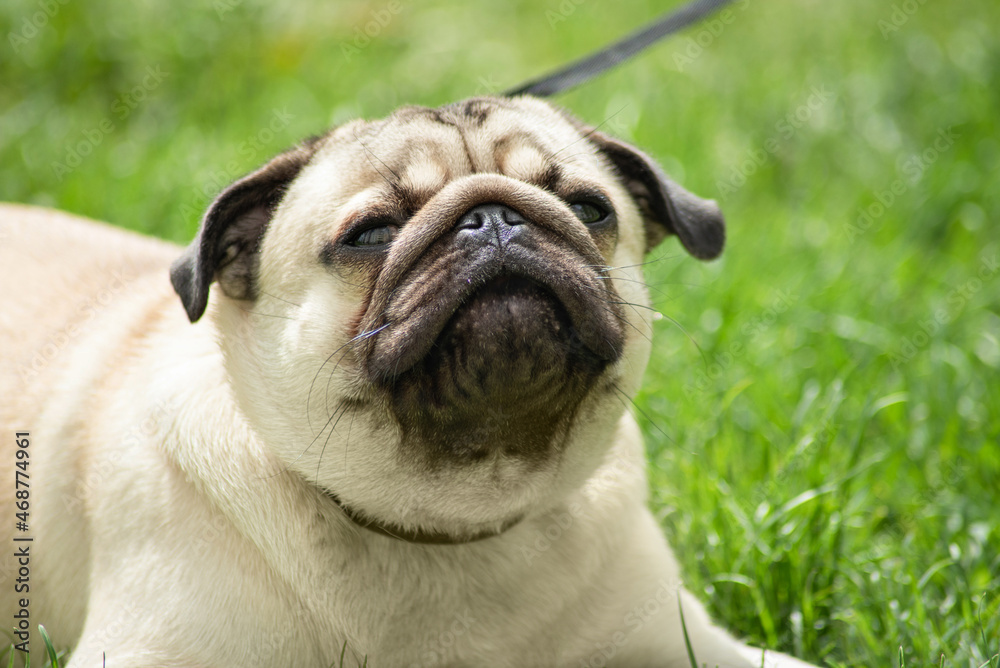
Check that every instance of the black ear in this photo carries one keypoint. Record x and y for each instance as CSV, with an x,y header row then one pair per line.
x,y
227,243
666,207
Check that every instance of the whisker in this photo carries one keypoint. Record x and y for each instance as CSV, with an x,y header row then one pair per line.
x,y
690,338
591,131
288,466
601,295
653,287
642,412
669,319
646,336
301,454
267,315
648,308
623,320
319,462
606,268
356,339
347,444
370,154
280,299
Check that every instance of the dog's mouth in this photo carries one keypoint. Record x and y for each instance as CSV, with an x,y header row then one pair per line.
x,y
513,324
503,310
506,314
513,287
510,339
498,367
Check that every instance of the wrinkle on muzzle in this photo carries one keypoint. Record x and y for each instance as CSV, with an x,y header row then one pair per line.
x,y
426,279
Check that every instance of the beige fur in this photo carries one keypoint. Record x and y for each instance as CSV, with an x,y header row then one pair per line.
x,y
181,472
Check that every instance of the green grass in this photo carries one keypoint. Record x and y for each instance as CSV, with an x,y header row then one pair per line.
x,y
53,658
50,657
826,455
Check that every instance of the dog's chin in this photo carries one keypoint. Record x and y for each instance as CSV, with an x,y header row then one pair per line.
x,y
504,377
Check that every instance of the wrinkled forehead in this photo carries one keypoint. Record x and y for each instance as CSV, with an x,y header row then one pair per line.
x,y
414,152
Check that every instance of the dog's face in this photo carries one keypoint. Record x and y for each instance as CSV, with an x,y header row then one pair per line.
x,y
439,317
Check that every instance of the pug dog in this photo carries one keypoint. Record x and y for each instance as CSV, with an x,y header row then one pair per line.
x,y
377,413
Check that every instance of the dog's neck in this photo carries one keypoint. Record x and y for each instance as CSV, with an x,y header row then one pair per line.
x,y
418,536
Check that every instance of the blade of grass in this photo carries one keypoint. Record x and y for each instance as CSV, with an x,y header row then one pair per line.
x,y
49,649
687,640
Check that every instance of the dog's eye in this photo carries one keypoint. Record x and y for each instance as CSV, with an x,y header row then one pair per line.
x,y
588,213
374,236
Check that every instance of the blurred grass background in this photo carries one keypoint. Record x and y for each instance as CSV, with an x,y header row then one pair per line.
x,y
826,442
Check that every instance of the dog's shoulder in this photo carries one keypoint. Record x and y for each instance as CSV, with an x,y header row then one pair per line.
x,y
66,280
70,263
34,233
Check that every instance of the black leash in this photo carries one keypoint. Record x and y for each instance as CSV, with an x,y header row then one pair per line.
x,y
589,67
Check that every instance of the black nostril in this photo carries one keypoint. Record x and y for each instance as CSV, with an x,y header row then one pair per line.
x,y
472,220
489,216
513,217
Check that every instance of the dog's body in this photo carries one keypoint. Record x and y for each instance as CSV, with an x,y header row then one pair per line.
x,y
424,331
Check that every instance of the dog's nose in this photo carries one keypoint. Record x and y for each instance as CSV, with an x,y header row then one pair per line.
x,y
491,224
